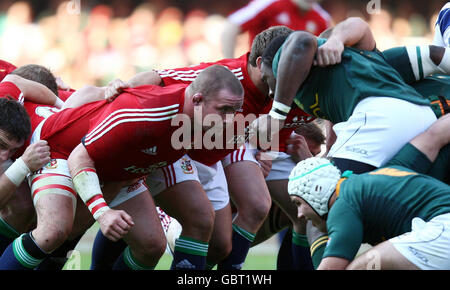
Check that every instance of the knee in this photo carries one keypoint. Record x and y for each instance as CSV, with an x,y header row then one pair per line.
x,y
50,237
199,224
150,249
256,210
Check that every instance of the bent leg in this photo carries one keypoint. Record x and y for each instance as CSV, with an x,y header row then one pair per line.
x,y
382,257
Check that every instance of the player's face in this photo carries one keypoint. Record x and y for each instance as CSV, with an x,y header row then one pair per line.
x,y
224,105
8,146
268,78
304,210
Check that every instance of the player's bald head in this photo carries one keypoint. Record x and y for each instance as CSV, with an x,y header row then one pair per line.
x,y
215,79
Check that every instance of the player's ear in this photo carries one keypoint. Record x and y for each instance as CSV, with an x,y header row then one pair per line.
x,y
259,62
197,99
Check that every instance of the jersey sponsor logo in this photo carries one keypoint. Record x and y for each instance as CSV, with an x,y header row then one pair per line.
x,y
316,108
356,150
45,112
150,151
392,172
297,121
147,170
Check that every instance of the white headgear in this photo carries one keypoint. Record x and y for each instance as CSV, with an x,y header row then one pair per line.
x,y
314,180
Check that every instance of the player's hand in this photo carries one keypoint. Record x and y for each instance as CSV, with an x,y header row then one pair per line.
x,y
61,85
266,163
297,147
264,130
36,155
115,224
330,53
114,89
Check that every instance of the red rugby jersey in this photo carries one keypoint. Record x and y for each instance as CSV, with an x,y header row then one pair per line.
x,y
255,102
5,68
36,112
127,138
259,15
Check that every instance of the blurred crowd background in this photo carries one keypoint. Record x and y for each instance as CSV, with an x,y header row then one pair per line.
x,y
101,40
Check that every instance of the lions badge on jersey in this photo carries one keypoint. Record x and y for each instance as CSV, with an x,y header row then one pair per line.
x,y
186,166
53,164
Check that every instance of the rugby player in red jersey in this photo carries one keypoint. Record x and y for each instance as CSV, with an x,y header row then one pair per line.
x,y
123,140
259,15
246,182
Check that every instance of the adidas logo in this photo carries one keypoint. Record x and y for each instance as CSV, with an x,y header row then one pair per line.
x,y
150,151
184,264
237,266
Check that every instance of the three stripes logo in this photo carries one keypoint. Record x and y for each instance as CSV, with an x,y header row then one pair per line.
x,y
131,115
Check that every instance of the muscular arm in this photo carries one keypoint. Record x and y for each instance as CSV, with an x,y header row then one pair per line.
x,y
354,32
114,224
86,94
150,77
229,37
295,63
34,92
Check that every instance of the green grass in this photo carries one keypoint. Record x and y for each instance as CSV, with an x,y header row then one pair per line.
x,y
256,259
253,262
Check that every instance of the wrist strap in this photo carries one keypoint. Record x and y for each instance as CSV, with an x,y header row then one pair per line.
x,y
17,172
87,185
279,110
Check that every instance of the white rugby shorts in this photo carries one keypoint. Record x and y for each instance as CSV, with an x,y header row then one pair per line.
x,y
378,128
212,178
427,245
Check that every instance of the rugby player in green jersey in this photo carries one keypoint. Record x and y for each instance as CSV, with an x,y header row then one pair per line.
x,y
402,212
374,111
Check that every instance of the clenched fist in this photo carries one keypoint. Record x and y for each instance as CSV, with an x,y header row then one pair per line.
x,y
115,224
37,155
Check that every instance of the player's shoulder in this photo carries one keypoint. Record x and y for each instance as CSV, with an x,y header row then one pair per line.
x,y
153,97
444,15
10,89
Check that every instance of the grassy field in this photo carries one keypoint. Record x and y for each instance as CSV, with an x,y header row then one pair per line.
x,y
261,257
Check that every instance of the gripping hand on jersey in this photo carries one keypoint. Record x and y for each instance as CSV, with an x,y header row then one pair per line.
x,y
330,53
36,155
114,89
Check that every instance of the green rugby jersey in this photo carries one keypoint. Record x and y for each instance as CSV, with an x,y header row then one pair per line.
x,y
333,92
379,205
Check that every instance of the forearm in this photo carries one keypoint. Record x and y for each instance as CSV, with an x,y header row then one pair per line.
x,y
86,181
145,78
11,179
7,189
34,91
229,37
354,32
85,95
